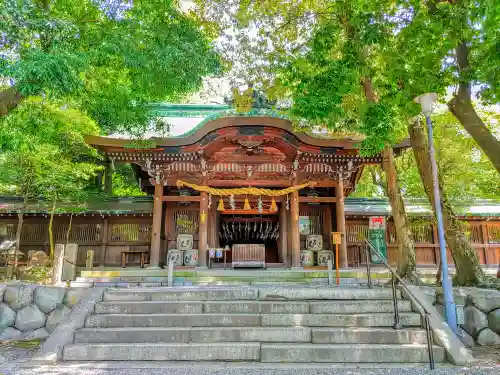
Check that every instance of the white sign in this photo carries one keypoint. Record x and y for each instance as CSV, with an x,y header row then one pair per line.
x,y
376,222
460,314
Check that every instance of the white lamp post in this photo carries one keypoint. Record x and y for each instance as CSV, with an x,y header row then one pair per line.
x,y
426,101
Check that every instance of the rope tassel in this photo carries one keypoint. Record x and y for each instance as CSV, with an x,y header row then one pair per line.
x,y
273,207
220,207
246,205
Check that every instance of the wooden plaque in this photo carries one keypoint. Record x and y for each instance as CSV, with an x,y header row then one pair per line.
x,y
336,238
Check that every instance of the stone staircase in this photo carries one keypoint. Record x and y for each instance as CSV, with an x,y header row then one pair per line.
x,y
266,324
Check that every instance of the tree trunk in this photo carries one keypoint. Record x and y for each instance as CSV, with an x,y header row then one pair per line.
x,y
406,247
51,232
462,108
9,100
68,232
466,261
20,220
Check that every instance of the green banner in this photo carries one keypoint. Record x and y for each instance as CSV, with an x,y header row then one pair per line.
x,y
376,237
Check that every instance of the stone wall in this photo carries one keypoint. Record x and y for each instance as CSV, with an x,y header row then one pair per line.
x,y
482,314
32,311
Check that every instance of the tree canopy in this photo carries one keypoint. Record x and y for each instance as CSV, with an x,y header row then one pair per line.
x,y
110,58
329,56
43,151
464,170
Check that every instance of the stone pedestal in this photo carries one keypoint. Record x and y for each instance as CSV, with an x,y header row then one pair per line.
x,y
89,263
57,270
69,265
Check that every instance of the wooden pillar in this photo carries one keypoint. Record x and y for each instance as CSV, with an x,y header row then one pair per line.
x,y
167,221
108,177
213,227
435,241
295,234
327,231
104,242
203,231
339,194
484,241
154,258
284,234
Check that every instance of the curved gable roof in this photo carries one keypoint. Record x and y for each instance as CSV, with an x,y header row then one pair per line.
x,y
228,120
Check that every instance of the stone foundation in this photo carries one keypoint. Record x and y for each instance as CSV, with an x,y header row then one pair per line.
x,y
482,314
32,311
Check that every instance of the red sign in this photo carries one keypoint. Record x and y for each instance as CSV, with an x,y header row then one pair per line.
x,y
376,222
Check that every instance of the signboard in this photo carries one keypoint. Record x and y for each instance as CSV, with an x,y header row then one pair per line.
x,y
211,253
218,253
336,238
376,236
304,225
460,314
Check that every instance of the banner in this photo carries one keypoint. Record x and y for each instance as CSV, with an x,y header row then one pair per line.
x,y
376,236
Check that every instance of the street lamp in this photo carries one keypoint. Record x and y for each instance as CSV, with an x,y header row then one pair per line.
x,y
426,101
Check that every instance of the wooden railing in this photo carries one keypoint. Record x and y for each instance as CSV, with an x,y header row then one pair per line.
x,y
108,237
484,237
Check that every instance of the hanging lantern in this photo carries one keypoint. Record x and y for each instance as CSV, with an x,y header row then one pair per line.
x,y
287,205
246,205
184,193
260,206
313,194
273,207
220,207
209,201
232,203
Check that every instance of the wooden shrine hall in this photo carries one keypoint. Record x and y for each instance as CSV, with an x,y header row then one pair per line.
x,y
247,184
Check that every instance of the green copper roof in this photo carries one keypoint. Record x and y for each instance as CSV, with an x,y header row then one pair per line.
x,y
99,205
188,110
209,113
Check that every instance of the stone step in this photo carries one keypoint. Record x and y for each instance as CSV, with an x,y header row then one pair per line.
x,y
325,293
181,294
192,334
172,320
362,335
349,353
248,351
247,293
244,351
353,307
149,307
339,320
265,320
256,307
249,307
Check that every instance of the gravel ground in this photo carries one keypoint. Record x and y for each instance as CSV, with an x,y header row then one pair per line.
x,y
16,351
209,370
487,355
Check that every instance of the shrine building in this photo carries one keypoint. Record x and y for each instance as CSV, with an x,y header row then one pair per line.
x,y
270,196
237,191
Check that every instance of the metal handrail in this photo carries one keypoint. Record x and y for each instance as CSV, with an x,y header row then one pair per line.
x,y
397,322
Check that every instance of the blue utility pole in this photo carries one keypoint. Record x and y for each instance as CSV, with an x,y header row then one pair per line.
x,y
427,101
